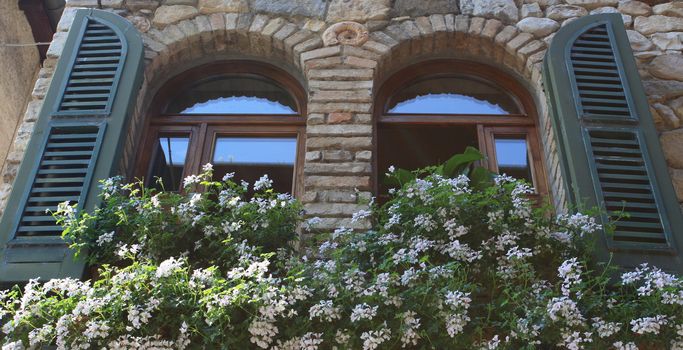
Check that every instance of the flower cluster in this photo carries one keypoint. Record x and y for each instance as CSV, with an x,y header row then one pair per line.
x,y
450,262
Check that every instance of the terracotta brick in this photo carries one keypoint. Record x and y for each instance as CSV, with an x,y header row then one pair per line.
x,y
339,117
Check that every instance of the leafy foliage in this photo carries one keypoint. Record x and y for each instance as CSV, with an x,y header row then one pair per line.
x,y
450,262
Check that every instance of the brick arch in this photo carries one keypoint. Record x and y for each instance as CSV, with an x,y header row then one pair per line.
x,y
477,39
204,39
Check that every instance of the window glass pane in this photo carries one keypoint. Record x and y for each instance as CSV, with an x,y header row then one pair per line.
x,y
450,95
512,157
168,161
252,157
240,94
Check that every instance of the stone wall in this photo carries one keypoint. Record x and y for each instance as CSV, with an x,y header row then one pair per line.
x,y
18,68
342,63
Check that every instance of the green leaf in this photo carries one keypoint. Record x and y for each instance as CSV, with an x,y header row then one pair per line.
x,y
399,177
460,162
481,178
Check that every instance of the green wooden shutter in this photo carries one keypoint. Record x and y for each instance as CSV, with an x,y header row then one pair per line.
x,y
609,148
77,141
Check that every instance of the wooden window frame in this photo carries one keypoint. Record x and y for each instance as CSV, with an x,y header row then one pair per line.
x,y
523,123
203,129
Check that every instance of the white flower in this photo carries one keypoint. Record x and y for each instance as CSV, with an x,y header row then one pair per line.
x,y
625,346
573,340
262,333
409,336
105,238
192,180
325,310
168,267
457,300
455,323
570,272
360,215
363,311
565,308
391,169
208,167
263,183
649,324
373,339
228,176
604,328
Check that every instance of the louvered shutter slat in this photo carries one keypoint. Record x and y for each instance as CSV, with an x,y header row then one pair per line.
x,y
77,142
610,151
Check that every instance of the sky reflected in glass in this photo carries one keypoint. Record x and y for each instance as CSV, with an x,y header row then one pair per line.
x,y
511,152
447,104
175,149
239,105
252,150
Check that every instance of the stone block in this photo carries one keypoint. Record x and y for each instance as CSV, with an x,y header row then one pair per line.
x,y
340,96
345,168
313,156
634,8
668,41
504,10
672,145
57,45
438,23
359,62
677,106
142,5
304,8
315,119
658,24
333,209
593,4
339,117
667,115
330,107
348,143
506,35
337,196
668,66
40,88
66,19
674,8
222,6
638,41
521,39
660,90
538,27
357,10
364,155
180,2
341,74
165,15
531,10
562,12
339,130
339,85
328,62
333,182
414,8
491,29
273,26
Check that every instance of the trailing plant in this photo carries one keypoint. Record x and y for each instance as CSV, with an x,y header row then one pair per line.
x,y
449,263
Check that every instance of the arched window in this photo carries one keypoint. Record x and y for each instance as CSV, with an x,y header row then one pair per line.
x,y
429,111
243,117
